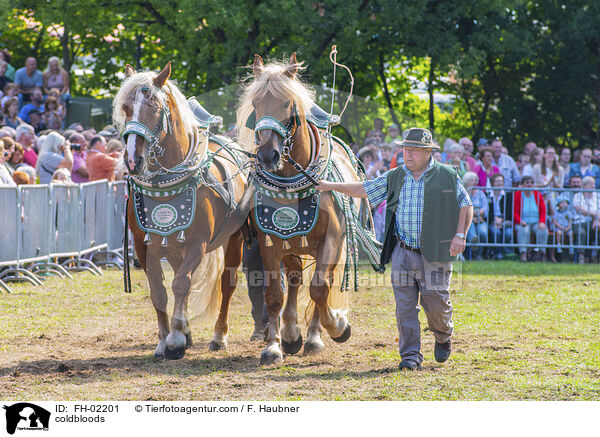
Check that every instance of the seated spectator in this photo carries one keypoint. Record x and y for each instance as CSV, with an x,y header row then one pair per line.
x,y
548,174
377,128
37,102
25,136
585,167
55,76
11,111
55,153
10,70
29,171
487,169
4,80
478,231
53,116
62,176
455,159
20,178
562,225
392,133
5,176
522,161
79,172
529,148
500,216
36,121
506,165
28,78
16,158
481,144
587,205
437,155
397,159
535,157
77,127
366,157
11,91
115,147
468,155
7,145
530,218
101,165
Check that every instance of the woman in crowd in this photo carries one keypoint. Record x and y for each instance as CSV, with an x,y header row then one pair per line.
x,y
529,216
16,158
56,77
3,79
536,157
79,172
53,116
10,111
5,176
478,231
487,169
587,204
455,159
11,91
62,176
548,174
500,216
55,153
10,70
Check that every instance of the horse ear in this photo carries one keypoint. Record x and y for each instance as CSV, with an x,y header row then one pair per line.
x,y
293,67
163,76
129,70
257,68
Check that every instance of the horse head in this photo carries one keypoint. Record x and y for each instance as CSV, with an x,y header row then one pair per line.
x,y
142,109
275,117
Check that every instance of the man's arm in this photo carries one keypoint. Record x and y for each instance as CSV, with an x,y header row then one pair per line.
x,y
352,189
465,217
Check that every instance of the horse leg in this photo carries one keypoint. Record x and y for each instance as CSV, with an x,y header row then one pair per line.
x,y
176,340
272,354
291,337
334,321
176,265
314,345
233,258
158,294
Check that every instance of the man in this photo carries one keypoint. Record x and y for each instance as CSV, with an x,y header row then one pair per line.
x,y
529,148
99,164
37,102
428,213
468,157
585,167
392,133
28,78
505,164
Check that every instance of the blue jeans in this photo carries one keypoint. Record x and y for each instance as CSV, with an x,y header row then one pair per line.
x,y
500,235
541,235
478,233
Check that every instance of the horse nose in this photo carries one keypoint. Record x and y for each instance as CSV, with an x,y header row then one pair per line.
x,y
275,156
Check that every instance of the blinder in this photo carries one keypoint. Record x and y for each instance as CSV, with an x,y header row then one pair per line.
x,y
271,123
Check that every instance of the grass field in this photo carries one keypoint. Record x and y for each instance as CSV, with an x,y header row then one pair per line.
x,y
522,332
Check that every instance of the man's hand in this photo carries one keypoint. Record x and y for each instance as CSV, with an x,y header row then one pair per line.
x,y
457,246
542,226
324,186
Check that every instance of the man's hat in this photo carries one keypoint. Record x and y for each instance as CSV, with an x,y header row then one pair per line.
x,y
419,138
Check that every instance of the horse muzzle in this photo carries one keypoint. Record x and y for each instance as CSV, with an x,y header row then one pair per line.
x,y
137,164
270,160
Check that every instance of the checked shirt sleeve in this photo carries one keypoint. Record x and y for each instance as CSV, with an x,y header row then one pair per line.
x,y
376,189
462,197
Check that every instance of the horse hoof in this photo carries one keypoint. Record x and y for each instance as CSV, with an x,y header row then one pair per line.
x,y
292,348
188,340
267,358
345,335
312,348
215,346
158,356
174,354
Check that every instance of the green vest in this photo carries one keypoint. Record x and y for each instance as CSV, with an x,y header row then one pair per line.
x,y
440,213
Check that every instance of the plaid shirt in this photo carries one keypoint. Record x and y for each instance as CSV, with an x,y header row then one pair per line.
x,y
409,214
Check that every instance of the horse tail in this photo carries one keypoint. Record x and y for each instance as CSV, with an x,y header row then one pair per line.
x,y
205,291
336,299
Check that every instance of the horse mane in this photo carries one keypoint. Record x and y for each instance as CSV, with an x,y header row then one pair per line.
x,y
132,83
275,81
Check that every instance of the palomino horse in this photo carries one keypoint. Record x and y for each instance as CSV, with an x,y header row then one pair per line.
x,y
186,201
272,115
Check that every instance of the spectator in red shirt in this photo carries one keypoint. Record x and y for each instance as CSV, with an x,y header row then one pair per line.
x,y
529,215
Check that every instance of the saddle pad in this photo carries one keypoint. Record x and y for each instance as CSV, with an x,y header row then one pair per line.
x,y
286,220
167,216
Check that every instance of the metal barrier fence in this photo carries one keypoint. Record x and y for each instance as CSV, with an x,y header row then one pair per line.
x,y
496,211
56,228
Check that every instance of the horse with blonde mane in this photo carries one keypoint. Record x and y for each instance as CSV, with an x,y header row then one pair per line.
x,y
278,119
186,203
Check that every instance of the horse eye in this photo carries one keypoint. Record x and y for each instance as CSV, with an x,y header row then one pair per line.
x,y
127,110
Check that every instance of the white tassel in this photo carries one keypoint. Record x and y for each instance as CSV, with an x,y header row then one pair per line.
x,y
164,242
303,241
181,237
148,239
268,241
286,245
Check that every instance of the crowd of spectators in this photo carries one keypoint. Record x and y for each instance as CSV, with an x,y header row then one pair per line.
x,y
544,197
35,144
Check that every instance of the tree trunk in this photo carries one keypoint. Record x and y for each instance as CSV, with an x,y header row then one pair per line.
x,y
138,51
386,91
598,95
482,118
430,88
64,41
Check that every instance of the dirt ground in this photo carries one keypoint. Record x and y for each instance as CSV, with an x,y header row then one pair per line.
x,y
87,340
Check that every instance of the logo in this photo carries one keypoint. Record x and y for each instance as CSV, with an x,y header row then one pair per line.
x,y
427,138
286,218
164,215
26,416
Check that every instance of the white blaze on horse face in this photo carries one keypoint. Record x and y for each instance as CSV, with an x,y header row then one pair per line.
x,y
133,137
